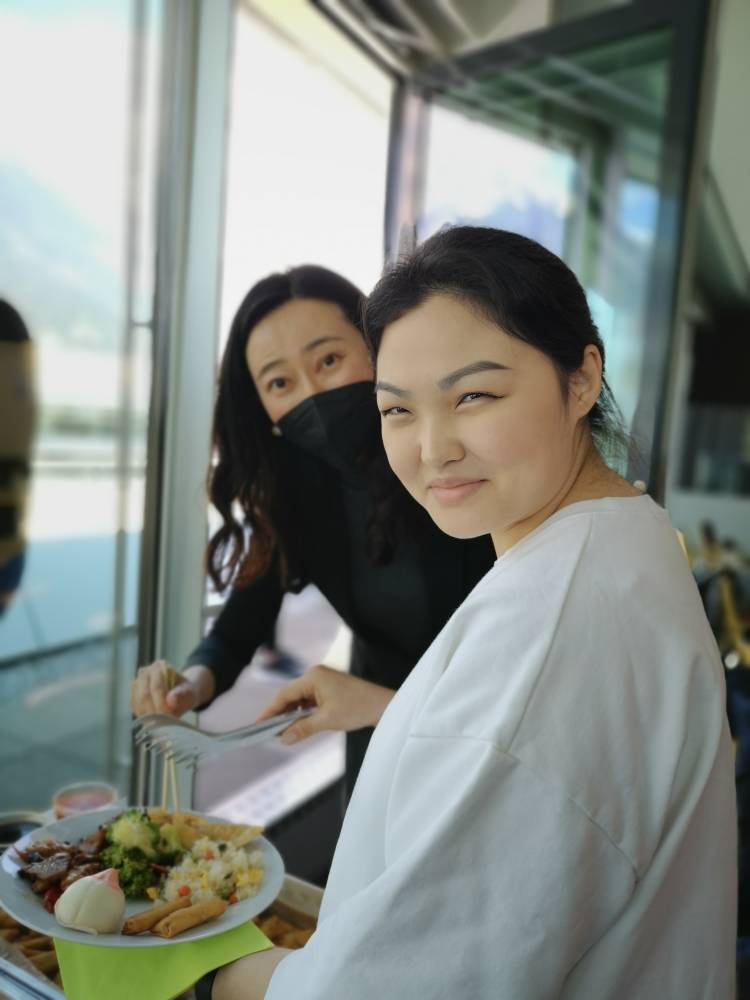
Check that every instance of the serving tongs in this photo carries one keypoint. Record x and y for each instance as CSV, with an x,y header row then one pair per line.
x,y
185,743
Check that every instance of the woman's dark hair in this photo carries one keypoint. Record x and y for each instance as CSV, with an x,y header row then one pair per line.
x,y
12,327
246,471
517,284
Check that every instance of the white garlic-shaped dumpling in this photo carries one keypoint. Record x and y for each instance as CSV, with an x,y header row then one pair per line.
x,y
95,904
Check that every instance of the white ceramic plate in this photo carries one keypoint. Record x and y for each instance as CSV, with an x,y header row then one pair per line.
x,y
17,898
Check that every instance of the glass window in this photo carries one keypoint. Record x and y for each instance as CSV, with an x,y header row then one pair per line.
x,y
516,183
708,459
70,266
306,172
569,10
566,150
303,187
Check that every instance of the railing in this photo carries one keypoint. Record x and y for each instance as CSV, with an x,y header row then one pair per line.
x,y
17,984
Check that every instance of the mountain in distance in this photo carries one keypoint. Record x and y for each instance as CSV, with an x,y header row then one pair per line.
x,y
51,265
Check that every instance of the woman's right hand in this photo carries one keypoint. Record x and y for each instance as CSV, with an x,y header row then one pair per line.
x,y
343,703
159,688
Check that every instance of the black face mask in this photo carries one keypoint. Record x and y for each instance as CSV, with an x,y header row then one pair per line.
x,y
336,426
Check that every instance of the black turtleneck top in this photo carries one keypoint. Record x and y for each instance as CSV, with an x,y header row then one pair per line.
x,y
394,610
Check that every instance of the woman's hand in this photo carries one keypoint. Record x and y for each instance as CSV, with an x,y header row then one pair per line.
x,y
161,689
343,703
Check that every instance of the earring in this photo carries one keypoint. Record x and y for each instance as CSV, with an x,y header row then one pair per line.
x,y
276,431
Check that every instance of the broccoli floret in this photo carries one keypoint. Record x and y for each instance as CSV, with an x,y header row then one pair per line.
x,y
113,856
134,870
133,829
169,847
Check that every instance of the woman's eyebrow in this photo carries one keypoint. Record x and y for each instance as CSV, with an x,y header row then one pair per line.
x,y
387,387
448,380
308,347
477,366
268,366
320,340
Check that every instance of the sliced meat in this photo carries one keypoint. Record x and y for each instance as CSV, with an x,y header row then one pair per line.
x,y
92,844
80,872
49,863
51,869
44,849
78,858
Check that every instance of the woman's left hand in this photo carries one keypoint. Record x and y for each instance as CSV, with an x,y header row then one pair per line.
x,y
343,703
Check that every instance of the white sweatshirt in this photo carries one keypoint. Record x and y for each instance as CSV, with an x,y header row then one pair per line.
x,y
547,806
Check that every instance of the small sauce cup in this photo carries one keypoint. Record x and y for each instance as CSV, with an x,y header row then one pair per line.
x,y
14,825
84,796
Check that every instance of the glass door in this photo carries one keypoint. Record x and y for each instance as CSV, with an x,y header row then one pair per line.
x,y
75,173
581,137
311,191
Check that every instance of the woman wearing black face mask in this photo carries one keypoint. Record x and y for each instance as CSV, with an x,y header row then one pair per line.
x,y
297,438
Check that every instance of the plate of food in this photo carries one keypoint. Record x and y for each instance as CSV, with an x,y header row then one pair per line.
x,y
139,878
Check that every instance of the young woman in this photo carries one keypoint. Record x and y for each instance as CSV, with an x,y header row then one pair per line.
x,y
297,439
547,806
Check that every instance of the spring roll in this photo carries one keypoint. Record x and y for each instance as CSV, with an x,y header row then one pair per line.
x,y
192,916
37,942
45,961
146,919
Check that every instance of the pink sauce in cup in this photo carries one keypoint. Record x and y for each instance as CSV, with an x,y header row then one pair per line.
x,y
82,797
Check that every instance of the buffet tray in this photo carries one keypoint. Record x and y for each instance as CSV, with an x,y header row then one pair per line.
x,y
20,979
298,902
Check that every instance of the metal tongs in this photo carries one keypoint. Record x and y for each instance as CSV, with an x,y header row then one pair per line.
x,y
185,743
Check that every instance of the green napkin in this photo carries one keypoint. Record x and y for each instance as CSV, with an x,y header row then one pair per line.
x,y
93,973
